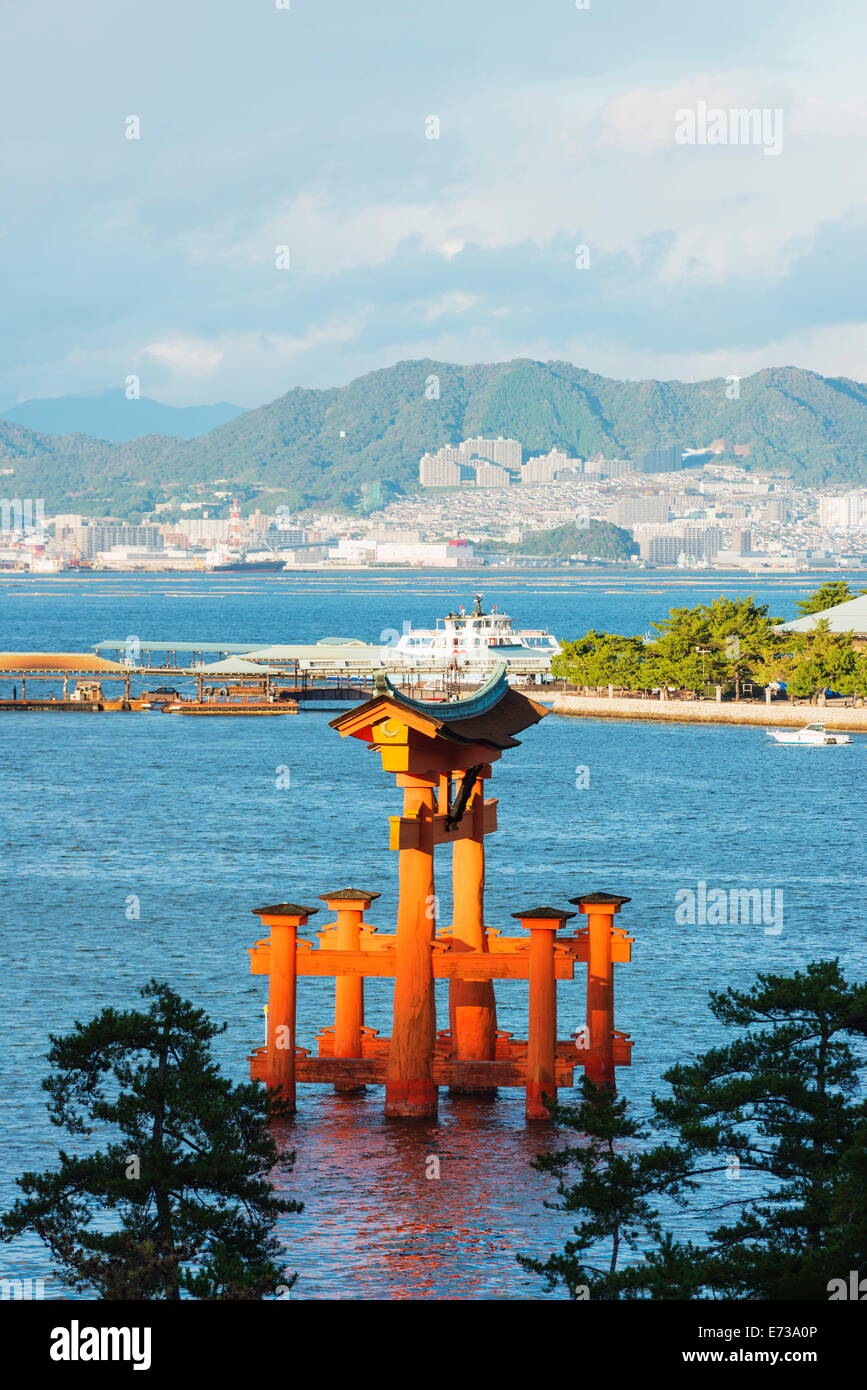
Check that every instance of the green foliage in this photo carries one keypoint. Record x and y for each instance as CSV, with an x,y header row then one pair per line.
x,y
614,1191
822,659
597,540
179,1201
696,647
733,634
602,658
782,1105
828,595
321,447
728,640
784,1099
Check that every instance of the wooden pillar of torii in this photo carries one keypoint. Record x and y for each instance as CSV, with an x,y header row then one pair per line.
x,y
601,909
441,755
284,921
472,1004
350,905
409,1085
543,924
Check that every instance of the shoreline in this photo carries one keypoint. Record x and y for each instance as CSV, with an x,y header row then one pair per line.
x,y
637,574
710,712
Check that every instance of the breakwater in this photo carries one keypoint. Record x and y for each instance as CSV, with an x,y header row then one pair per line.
x,y
711,712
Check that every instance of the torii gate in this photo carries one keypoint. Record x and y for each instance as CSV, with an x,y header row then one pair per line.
x,y
441,754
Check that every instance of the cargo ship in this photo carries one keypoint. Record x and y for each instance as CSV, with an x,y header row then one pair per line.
x,y
234,558
239,564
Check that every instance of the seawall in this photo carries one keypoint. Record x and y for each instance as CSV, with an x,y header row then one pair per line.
x,y
709,712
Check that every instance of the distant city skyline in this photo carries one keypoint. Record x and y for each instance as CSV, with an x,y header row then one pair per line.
x,y
233,200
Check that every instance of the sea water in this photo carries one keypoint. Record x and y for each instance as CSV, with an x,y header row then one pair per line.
x,y
135,846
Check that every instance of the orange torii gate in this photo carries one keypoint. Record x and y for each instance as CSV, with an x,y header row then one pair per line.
x,y
441,754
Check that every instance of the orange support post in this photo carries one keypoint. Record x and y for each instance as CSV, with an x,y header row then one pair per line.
x,y
350,905
600,909
409,1085
472,1005
284,919
542,924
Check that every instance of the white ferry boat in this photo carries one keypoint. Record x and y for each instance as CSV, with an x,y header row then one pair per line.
x,y
476,642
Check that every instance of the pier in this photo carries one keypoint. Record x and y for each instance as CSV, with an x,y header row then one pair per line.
x,y
330,659
335,670
86,670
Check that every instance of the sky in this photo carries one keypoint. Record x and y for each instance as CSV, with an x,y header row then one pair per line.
x,y
466,180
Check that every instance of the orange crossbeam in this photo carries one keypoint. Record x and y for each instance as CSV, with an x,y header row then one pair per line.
x,y
371,1070
404,830
446,964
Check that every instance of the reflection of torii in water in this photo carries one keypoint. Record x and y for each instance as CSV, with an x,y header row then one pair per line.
x,y
477,606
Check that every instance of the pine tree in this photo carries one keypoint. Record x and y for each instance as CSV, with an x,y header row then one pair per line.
x,y
828,595
615,1189
179,1201
783,1099
780,1106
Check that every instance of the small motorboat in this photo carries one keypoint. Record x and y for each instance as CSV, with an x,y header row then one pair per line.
x,y
815,735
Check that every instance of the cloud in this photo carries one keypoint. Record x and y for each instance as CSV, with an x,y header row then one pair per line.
x,y
306,128
185,356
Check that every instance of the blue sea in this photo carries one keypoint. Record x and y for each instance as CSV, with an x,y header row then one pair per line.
x,y
192,819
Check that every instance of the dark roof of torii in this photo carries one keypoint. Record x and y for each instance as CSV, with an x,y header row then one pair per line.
x,y
349,895
491,715
550,914
284,910
601,899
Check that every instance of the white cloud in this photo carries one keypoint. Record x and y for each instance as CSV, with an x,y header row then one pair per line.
x,y
185,356
556,131
449,304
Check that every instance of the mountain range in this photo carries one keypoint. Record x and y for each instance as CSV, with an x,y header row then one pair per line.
x,y
326,448
114,416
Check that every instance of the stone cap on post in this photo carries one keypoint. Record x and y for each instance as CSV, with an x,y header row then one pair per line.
x,y
600,902
550,917
349,895
284,914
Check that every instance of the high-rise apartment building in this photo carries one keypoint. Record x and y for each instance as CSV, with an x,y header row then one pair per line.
x,y
435,471
506,452
664,543
543,468
92,539
848,512
492,475
661,550
609,468
631,510
702,542
457,463
206,529
666,459
778,509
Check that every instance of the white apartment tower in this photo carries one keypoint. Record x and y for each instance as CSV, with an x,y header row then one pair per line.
x,y
506,452
848,512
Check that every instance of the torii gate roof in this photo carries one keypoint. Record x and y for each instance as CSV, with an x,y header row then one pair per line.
x,y
490,716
